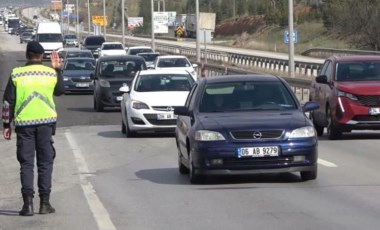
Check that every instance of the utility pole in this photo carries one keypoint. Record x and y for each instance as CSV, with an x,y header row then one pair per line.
x,y
152,13
291,40
198,47
104,19
89,17
77,23
123,21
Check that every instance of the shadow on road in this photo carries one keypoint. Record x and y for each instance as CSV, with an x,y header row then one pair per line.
x,y
357,135
118,134
172,176
8,213
91,110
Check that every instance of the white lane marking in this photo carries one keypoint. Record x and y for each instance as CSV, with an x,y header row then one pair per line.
x,y
326,163
99,212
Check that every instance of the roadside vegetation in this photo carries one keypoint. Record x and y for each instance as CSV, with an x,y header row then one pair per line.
x,y
260,24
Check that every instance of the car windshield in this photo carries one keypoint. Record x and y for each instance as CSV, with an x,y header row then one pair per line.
x,y
149,57
173,62
49,37
358,71
127,68
113,47
26,34
246,96
73,64
78,54
133,51
164,82
70,37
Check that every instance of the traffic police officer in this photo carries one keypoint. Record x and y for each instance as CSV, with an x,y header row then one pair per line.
x,y
28,102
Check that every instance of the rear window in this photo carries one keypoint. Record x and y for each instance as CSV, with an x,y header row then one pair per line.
x,y
94,41
136,51
70,36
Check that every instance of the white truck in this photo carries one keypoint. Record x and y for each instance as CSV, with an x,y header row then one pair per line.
x,y
49,35
206,22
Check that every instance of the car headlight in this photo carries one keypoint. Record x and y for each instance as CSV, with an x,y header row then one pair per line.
x,y
104,83
139,105
65,78
206,135
303,132
344,94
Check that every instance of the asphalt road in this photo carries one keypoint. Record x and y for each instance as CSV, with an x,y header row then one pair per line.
x,y
103,180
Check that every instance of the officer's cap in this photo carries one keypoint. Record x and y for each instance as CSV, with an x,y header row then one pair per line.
x,y
34,47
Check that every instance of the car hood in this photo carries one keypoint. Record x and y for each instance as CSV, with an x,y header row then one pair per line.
x,y
172,98
77,73
113,52
229,121
360,87
118,82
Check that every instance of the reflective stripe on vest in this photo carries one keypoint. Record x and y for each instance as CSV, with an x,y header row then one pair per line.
x,y
34,95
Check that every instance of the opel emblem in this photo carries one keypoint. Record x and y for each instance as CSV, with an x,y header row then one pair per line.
x,y
256,135
169,109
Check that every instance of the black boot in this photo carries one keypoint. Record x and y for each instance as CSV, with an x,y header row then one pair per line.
x,y
45,207
27,208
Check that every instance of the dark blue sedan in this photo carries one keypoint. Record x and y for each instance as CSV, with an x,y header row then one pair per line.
x,y
76,74
244,125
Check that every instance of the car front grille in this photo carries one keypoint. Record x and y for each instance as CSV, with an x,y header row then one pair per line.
x,y
77,79
152,118
253,135
164,108
369,100
366,118
280,160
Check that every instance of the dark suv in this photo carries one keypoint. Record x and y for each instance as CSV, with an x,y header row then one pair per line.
x,y
111,73
347,90
92,43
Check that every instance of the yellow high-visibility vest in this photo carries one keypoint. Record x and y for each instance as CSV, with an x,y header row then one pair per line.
x,y
34,95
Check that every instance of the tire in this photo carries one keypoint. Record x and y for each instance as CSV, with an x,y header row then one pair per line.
x,y
309,175
128,132
193,176
123,128
318,128
99,107
181,167
332,131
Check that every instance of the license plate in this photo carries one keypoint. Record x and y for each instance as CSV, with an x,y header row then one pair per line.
x,y
119,98
374,111
82,85
269,151
166,116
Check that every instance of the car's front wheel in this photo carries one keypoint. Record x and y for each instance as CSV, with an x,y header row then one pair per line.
x,y
317,127
123,128
99,107
128,131
309,175
181,167
332,131
195,178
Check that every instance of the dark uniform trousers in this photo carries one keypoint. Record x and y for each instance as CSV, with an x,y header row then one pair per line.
x,y
35,141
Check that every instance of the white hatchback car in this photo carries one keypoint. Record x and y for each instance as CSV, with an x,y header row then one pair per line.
x,y
148,104
175,62
111,48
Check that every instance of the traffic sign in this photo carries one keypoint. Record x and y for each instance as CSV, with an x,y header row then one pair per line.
x,y
286,36
99,20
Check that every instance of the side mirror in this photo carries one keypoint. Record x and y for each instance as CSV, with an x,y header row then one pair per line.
x,y
93,77
321,79
310,105
98,49
182,111
124,88
151,66
195,65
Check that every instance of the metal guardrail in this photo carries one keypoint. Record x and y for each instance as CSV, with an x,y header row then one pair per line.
x,y
326,52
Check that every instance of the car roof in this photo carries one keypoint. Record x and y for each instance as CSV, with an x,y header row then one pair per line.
x,y
148,53
162,71
172,56
237,78
80,58
106,43
356,58
120,57
140,47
